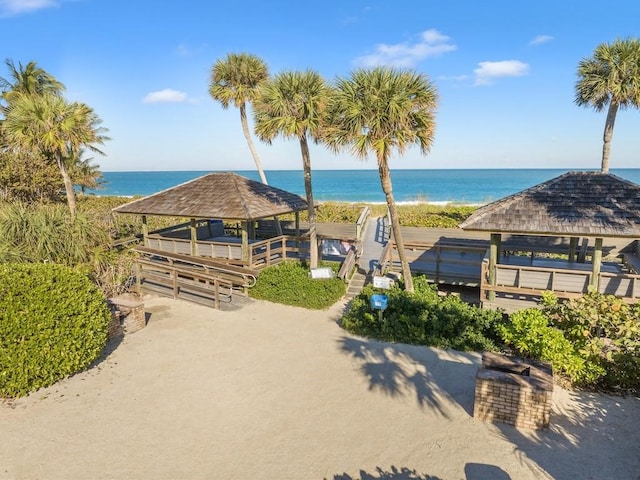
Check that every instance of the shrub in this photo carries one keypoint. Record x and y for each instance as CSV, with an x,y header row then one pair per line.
x,y
423,318
606,332
53,323
289,283
529,333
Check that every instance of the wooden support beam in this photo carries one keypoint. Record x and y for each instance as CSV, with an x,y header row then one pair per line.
x,y
494,248
245,241
596,260
193,234
145,231
573,248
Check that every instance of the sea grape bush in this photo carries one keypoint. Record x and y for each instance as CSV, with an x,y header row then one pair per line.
x,y
528,332
423,318
593,340
289,283
606,330
53,323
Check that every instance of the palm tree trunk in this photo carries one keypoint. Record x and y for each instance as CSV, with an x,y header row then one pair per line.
x,y
387,188
247,135
68,186
608,135
313,236
256,158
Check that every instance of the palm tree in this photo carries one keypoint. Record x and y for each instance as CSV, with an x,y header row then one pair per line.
x,y
611,77
376,111
293,104
236,80
84,173
55,128
28,79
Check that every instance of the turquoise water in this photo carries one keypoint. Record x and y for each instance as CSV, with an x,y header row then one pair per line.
x,y
434,186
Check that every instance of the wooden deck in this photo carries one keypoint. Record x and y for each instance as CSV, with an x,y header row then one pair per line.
x,y
459,258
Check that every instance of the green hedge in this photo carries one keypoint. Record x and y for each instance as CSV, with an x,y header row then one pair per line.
x,y
423,318
289,283
53,323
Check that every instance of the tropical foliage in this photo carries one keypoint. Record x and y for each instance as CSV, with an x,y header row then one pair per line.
x,y
594,340
53,323
53,127
377,111
610,79
423,318
289,283
293,105
236,80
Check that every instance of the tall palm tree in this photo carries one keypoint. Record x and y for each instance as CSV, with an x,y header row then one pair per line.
x,y
378,110
293,104
55,128
236,79
28,79
611,77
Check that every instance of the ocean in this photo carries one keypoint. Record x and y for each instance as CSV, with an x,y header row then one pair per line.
x,y
427,186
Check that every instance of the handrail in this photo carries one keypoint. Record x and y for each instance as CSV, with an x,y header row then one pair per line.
x,y
178,275
249,278
364,215
348,263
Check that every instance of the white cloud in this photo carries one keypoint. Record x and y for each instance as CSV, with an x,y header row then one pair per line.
x,y
168,95
540,39
489,71
430,44
9,8
186,50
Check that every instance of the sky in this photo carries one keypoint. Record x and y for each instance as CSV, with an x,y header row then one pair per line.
x,y
504,70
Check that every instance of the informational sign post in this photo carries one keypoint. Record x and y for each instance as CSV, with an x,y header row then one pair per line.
x,y
383,282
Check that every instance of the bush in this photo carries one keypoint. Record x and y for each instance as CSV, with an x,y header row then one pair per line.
x,y
529,333
289,283
53,323
606,332
423,318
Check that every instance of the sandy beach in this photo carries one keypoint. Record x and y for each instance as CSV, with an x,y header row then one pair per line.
x,y
276,392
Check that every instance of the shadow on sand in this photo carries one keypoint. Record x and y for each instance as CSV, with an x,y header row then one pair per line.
x,y
398,369
394,473
591,435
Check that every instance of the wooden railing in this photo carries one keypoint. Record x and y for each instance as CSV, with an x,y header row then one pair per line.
x,y
275,250
349,263
362,221
565,283
182,282
443,263
239,276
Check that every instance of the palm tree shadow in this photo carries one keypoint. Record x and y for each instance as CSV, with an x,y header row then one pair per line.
x,y
437,378
590,435
394,473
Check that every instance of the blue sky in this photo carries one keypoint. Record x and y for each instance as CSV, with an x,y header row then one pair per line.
x,y
505,72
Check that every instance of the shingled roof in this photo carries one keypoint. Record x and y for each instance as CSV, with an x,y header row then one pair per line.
x,y
574,204
226,196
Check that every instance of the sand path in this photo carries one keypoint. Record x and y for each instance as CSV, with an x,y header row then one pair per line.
x,y
275,392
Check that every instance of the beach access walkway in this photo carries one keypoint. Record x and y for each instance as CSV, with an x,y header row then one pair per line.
x,y
374,239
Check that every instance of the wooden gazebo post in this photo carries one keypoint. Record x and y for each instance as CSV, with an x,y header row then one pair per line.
x,y
145,231
596,261
573,246
494,253
193,234
245,241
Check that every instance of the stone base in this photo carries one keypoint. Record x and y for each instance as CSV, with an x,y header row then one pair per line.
x,y
127,315
513,392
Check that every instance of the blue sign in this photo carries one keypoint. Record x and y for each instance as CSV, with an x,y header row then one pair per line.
x,y
379,302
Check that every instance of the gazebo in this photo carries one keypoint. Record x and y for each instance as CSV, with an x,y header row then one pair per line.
x,y
217,196
588,205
